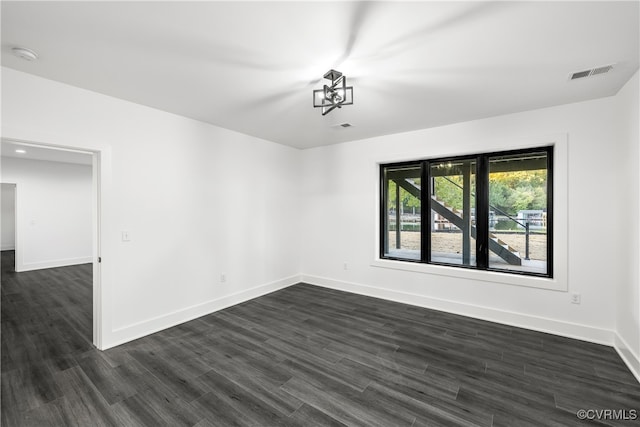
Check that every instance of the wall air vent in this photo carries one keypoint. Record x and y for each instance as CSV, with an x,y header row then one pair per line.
x,y
591,72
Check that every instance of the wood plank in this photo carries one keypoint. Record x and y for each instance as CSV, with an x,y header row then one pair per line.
x,y
303,355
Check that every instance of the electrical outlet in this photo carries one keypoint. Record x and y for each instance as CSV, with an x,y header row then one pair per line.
x,y
223,278
575,298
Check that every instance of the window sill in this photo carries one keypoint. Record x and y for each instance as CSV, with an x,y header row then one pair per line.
x,y
478,275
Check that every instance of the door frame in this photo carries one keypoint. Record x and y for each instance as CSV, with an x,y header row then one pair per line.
x,y
96,209
15,219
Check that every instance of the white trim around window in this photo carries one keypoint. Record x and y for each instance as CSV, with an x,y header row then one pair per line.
x,y
561,220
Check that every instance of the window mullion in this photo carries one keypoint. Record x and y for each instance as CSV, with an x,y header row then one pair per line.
x,y
425,213
383,220
550,215
482,213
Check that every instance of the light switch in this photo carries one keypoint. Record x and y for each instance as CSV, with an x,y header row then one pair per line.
x,y
125,236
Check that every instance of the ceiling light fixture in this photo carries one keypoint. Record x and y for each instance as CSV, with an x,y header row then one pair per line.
x,y
334,96
24,53
20,151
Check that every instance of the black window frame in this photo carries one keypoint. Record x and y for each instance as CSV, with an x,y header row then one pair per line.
x,y
481,211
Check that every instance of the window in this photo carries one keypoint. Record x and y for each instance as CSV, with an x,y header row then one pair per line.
x,y
453,237
490,211
403,212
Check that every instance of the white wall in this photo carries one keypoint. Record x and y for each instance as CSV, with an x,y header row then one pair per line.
x,y
7,217
341,203
628,297
197,201
53,211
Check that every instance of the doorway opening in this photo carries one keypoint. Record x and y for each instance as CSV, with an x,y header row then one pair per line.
x,y
8,217
51,275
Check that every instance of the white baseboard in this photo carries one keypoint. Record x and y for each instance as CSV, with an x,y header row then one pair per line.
x,y
150,326
628,355
53,264
8,248
541,324
556,327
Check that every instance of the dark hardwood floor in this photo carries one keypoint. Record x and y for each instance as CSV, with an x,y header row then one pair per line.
x,y
302,356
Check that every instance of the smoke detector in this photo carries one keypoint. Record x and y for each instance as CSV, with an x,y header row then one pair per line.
x,y
24,53
592,72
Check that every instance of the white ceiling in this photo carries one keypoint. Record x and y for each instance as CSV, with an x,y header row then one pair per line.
x,y
252,66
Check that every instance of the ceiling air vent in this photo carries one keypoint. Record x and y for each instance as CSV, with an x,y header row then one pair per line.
x,y
592,72
344,125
